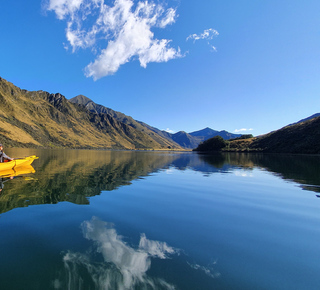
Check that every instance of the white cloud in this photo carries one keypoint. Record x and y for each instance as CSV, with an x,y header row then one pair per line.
x,y
124,26
213,48
242,130
169,19
64,8
208,35
168,130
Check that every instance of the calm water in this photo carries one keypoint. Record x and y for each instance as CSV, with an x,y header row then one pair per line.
x,y
148,220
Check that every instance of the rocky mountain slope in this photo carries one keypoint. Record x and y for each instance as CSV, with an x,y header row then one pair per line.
x,y
41,119
181,138
139,126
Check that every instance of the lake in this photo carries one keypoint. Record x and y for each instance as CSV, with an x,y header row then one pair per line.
x,y
86,219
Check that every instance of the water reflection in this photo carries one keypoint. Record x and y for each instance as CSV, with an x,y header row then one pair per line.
x,y
77,175
223,217
111,263
20,171
16,171
122,266
303,169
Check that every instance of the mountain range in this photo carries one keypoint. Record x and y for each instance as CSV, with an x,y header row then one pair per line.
x,y
181,138
42,119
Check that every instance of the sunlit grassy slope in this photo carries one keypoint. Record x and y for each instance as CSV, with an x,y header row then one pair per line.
x,y
41,119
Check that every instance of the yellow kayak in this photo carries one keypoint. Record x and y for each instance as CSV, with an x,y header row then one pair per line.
x,y
16,171
17,163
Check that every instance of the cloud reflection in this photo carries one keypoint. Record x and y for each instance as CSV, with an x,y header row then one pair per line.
x,y
122,267
243,172
209,271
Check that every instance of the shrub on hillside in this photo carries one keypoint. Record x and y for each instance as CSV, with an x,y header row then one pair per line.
x,y
213,144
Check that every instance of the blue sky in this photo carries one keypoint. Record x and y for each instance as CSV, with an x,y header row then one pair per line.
x,y
241,66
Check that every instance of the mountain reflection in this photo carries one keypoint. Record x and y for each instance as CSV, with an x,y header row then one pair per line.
x,y
302,169
122,266
77,175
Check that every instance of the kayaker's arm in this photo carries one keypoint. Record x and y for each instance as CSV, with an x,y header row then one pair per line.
x,y
6,157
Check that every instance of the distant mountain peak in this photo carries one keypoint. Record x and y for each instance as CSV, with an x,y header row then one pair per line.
x,y
81,100
204,132
180,133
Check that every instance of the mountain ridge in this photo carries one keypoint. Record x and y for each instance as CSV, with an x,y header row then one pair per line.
x,y
181,138
41,119
93,107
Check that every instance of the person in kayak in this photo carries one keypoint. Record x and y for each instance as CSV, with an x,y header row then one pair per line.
x,y
4,156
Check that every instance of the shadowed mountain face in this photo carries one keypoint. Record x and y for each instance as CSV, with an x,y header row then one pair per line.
x,y
193,139
301,137
181,138
129,121
41,119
